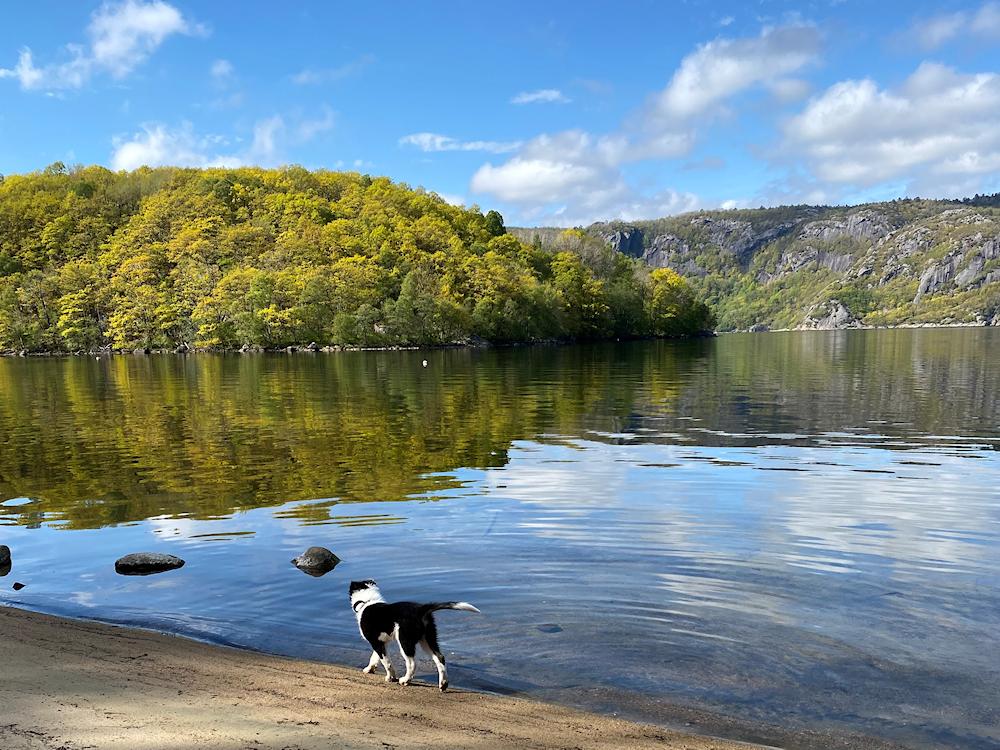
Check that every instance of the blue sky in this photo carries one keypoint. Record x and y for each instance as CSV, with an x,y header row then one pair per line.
x,y
555,113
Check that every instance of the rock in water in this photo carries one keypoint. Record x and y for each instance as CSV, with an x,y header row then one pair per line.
x,y
146,563
4,556
316,561
17,586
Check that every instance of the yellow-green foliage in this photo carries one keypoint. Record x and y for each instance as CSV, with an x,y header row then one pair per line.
x,y
225,258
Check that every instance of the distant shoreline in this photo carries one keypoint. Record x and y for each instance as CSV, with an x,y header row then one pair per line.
x,y
334,349
972,324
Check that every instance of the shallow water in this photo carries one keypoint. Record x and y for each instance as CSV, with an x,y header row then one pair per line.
x,y
798,529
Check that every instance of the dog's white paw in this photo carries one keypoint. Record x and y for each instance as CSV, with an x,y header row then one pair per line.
x,y
368,670
443,685
404,682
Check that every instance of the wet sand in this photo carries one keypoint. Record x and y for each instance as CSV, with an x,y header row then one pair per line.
x,y
69,684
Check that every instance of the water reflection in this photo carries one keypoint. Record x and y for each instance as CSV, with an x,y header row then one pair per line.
x,y
95,443
797,530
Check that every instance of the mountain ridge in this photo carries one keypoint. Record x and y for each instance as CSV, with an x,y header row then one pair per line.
x,y
903,262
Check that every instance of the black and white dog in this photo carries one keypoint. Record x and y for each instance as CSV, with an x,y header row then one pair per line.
x,y
409,623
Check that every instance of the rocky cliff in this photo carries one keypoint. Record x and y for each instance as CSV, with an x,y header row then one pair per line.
x,y
896,263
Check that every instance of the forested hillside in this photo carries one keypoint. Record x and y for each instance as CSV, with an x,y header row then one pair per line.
x,y
168,257
905,262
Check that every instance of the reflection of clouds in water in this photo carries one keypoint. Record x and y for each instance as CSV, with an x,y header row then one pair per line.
x,y
83,598
833,515
899,520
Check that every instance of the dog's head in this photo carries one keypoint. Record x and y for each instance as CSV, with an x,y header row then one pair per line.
x,y
361,585
364,593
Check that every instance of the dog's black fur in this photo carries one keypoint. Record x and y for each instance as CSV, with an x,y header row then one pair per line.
x,y
408,622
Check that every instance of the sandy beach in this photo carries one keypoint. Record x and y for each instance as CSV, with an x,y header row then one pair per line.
x,y
69,685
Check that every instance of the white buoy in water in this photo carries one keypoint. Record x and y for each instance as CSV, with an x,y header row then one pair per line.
x,y
425,363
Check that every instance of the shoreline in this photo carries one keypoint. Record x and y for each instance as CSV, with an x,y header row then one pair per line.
x,y
78,683
313,348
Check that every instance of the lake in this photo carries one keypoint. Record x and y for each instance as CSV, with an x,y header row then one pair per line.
x,y
791,537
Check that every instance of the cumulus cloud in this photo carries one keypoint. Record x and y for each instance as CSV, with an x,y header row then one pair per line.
x,y
938,126
936,31
157,144
542,96
430,142
724,67
577,177
121,36
572,178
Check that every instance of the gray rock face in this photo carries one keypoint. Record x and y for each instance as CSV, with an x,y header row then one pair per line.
x,y
316,561
967,276
830,316
739,238
146,563
936,277
858,225
627,240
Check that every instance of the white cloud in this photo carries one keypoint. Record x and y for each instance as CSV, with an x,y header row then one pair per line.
x,y
938,126
577,177
430,142
724,67
542,96
313,76
157,144
453,198
574,178
936,31
121,37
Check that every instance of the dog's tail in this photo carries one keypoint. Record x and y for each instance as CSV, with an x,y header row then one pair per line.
x,y
463,606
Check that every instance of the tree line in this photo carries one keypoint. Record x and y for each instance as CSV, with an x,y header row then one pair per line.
x,y
224,258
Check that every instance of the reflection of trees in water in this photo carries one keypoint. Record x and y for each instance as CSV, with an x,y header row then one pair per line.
x,y
127,438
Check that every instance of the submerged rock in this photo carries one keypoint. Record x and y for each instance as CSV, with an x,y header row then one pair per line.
x,y
146,563
316,561
17,586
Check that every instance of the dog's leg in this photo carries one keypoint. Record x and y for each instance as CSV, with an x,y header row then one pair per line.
x,y
409,648
390,672
430,643
372,663
438,658
383,656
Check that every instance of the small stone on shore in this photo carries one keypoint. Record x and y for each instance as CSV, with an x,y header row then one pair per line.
x,y
316,561
146,563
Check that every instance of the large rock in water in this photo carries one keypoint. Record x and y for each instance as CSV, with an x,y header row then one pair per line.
x,y
146,563
316,561
4,560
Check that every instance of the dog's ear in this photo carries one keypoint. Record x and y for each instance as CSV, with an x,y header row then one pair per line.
x,y
358,585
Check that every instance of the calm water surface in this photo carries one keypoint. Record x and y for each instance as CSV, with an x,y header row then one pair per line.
x,y
793,530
